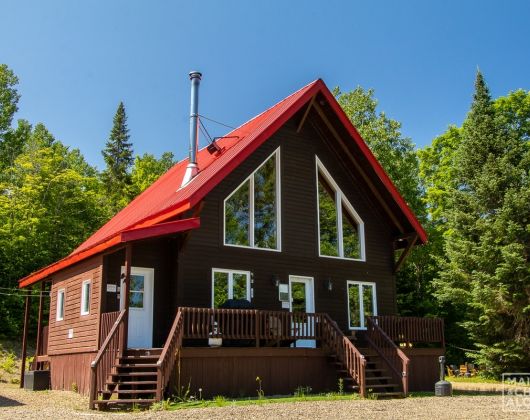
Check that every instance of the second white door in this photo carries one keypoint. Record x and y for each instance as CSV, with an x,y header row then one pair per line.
x,y
302,299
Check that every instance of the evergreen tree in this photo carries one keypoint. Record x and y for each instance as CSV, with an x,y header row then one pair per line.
x,y
487,241
118,155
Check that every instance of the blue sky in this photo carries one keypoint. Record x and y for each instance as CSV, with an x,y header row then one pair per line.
x,y
76,61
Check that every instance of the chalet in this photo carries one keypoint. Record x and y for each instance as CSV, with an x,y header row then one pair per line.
x,y
272,252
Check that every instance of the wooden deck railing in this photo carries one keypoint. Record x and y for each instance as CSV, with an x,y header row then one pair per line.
x,y
167,358
336,343
251,324
412,329
389,352
107,354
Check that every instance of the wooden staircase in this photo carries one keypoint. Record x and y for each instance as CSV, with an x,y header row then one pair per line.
x,y
132,380
379,379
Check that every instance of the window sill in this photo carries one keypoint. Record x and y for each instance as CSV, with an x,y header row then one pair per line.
x,y
253,247
343,258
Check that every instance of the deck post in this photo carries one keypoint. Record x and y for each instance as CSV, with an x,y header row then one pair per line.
x,y
25,339
125,296
39,324
258,323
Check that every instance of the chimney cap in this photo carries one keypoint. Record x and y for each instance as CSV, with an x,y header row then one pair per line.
x,y
195,74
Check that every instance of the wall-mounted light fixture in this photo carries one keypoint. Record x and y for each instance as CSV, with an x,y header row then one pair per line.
x,y
275,280
328,284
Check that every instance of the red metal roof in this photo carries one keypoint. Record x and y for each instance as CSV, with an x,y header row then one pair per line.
x,y
164,199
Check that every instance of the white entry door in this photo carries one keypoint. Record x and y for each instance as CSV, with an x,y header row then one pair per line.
x,y
140,332
302,299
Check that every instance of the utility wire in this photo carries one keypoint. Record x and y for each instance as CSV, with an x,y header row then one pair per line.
x,y
205,131
23,295
217,122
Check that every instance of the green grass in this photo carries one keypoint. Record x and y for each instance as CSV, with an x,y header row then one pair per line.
x,y
221,401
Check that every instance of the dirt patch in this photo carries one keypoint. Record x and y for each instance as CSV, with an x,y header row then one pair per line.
x,y
17,403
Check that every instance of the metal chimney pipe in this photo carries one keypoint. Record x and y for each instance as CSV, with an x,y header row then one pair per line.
x,y
192,168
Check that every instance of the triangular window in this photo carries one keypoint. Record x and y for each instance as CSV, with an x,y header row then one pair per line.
x,y
341,230
252,211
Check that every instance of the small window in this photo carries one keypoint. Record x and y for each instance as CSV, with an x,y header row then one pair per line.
x,y
85,297
60,305
340,229
362,303
229,284
252,211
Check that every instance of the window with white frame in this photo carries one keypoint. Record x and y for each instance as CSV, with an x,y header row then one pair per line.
x,y
252,211
340,229
60,305
229,284
86,289
362,303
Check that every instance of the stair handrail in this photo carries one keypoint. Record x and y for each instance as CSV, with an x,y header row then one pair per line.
x,y
167,358
395,358
345,351
102,364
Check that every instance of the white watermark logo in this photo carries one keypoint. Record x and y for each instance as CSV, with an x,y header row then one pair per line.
x,y
515,392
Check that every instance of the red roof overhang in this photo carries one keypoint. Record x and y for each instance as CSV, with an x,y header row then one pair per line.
x,y
122,237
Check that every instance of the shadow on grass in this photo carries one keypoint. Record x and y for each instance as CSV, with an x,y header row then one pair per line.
x,y
8,402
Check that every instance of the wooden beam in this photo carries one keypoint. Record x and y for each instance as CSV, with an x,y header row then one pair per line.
x,y
39,321
410,244
125,296
306,113
357,165
25,339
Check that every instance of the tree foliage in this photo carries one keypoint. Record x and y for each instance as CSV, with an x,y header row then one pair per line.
x,y
147,169
487,235
118,156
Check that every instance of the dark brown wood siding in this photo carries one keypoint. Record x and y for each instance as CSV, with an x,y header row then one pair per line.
x,y
232,372
85,327
299,254
424,368
71,371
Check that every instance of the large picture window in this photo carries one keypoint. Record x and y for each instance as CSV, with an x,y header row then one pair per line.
x,y
341,230
229,284
252,211
362,303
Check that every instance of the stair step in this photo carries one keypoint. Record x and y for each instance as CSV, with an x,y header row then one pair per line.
x,y
381,386
136,365
127,401
131,383
387,394
373,378
129,391
134,374
374,370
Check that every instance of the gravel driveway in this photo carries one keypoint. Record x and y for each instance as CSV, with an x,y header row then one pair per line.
x,y
19,404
